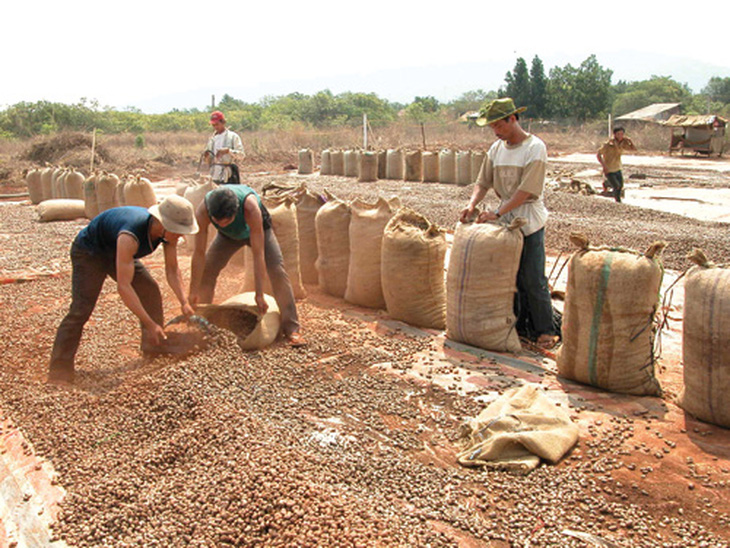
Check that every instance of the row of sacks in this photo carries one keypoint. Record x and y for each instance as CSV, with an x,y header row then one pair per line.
x,y
64,194
381,255
610,318
446,166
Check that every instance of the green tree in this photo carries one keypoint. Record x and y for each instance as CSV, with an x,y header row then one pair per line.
x,y
423,109
630,96
518,84
538,89
718,89
470,101
579,93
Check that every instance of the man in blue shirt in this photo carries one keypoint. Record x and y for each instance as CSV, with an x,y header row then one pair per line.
x,y
111,245
241,219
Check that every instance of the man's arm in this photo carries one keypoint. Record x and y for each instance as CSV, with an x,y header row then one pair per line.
x,y
519,198
174,277
255,222
197,262
599,156
477,196
127,246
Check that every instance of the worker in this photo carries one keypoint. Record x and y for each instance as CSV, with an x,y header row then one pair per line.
x,y
112,244
241,219
609,156
515,168
222,151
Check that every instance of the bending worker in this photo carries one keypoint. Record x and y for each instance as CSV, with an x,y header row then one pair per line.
x,y
241,219
111,245
515,168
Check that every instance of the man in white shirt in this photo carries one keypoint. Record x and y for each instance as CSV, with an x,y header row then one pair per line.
x,y
515,168
222,151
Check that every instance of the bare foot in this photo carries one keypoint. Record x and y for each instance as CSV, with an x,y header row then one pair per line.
x,y
548,342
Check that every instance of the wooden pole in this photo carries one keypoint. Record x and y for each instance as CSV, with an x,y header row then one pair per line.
x,y
364,131
93,151
423,135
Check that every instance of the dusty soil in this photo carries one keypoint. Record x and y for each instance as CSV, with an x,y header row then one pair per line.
x,y
351,441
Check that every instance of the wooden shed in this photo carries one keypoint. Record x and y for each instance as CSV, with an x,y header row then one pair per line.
x,y
701,134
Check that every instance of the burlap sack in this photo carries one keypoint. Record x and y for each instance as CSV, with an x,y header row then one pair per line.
x,y
307,205
195,194
481,283
610,304
91,200
108,191
139,192
35,187
516,431
332,223
240,315
284,223
706,341
60,209
412,270
367,225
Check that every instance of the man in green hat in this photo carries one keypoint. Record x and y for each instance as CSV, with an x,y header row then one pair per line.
x,y
515,168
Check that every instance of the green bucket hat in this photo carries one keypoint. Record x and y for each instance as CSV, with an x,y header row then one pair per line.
x,y
497,110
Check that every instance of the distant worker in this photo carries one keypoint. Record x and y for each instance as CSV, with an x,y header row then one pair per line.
x,y
609,156
222,151
515,168
241,219
111,245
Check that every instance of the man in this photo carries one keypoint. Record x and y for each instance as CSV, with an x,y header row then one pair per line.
x,y
111,245
223,148
241,219
609,156
515,168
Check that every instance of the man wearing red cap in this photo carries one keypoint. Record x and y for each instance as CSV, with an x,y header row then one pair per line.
x,y
223,148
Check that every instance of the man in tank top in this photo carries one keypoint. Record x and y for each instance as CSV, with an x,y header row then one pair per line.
x,y
515,168
241,219
222,151
111,245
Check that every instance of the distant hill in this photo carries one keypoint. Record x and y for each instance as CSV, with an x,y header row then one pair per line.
x,y
443,82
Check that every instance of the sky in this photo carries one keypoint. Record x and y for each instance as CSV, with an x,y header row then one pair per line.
x,y
159,55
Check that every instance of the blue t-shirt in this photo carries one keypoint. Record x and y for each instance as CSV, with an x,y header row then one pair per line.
x,y
100,236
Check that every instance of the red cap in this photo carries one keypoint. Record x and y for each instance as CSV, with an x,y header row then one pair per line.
x,y
217,116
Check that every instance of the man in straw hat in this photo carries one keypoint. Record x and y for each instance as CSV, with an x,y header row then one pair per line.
x,y
111,245
515,169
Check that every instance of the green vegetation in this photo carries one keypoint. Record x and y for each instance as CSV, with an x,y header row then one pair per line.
x,y
568,94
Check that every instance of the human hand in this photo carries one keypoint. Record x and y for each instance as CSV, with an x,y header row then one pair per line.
x,y
467,214
156,334
261,303
187,310
485,216
193,299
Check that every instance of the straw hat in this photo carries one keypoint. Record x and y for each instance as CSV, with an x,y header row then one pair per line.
x,y
176,214
497,110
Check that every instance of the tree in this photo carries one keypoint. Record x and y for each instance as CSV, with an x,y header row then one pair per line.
x,y
718,89
657,89
518,84
580,93
423,109
538,89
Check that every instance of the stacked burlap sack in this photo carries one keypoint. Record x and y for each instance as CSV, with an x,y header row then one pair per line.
x,y
706,341
481,283
609,318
